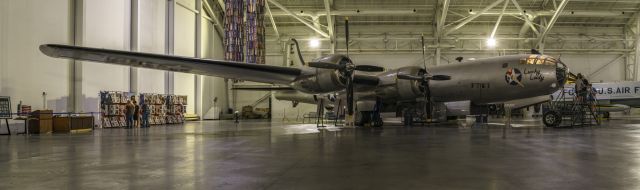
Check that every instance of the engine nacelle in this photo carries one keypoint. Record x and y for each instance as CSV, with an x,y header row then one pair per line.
x,y
402,89
325,81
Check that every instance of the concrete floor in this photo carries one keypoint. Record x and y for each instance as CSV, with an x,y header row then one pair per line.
x,y
261,155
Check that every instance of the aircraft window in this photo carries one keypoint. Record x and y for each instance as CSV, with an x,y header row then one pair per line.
x,y
538,60
531,61
550,61
523,61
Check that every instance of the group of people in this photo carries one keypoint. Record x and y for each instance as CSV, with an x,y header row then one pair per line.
x,y
136,116
584,89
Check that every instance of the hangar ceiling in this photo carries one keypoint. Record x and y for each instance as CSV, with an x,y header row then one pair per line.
x,y
458,26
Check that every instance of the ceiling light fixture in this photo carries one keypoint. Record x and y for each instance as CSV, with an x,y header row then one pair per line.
x,y
314,43
491,42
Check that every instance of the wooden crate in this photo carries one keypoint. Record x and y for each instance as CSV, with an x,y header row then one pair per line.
x,y
66,124
38,126
42,114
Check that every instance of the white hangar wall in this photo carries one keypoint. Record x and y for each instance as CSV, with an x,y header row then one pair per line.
x,y
25,72
151,39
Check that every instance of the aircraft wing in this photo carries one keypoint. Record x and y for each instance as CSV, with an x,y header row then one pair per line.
x,y
226,69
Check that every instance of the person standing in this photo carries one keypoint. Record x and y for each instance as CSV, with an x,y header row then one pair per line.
x,y
579,88
145,115
129,113
136,114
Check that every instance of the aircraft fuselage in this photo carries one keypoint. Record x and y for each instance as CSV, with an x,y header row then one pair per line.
x,y
482,81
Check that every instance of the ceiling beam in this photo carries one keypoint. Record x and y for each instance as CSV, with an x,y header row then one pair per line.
x,y
443,17
552,21
273,22
327,8
474,16
633,18
302,20
358,12
495,28
221,3
216,21
530,13
527,21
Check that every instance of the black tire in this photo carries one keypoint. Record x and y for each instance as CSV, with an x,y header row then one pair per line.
x,y
551,119
377,123
606,115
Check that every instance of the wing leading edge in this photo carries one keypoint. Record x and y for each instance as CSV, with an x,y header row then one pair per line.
x,y
226,69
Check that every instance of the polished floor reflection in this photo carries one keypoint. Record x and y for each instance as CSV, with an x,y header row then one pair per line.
x,y
263,155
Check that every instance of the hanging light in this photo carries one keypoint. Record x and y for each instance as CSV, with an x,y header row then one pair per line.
x,y
314,43
491,42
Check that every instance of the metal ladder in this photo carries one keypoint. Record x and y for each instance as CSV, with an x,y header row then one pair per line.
x,y
585,112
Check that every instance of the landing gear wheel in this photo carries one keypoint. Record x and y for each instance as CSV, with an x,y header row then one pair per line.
x,y
551,119
377,123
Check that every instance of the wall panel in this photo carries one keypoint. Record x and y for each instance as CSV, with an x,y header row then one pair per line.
x,y
185,24
106,25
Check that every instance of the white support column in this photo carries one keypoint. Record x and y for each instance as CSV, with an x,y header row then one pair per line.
x,y
629,72
637,56
133,43
75,67
169,38
198,54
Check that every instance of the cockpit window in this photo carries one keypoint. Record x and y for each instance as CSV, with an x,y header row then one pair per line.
x,y
538,60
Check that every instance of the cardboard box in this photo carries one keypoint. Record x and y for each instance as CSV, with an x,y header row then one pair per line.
x,y
37,126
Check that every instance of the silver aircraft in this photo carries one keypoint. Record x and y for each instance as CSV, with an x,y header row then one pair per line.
x,y
611,96
525,79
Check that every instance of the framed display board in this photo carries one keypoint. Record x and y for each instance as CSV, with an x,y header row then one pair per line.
x,y
5,107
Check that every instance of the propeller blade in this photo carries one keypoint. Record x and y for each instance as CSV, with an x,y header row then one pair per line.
x,y
369,68
440,77
535,51
409,77
346,33
324,65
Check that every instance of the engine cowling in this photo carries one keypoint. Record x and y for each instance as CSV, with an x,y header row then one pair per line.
x,y
402,89
325,81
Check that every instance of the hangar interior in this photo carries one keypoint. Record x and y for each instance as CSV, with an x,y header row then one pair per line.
x,y
597,38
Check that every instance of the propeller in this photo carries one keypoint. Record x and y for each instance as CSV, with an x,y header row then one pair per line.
x,y
535,51
424,77
346,68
